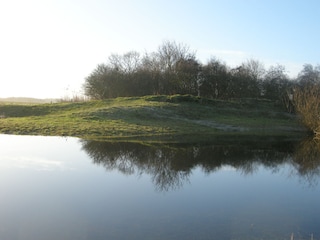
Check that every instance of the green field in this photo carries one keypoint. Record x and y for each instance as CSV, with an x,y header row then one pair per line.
x,y
152,118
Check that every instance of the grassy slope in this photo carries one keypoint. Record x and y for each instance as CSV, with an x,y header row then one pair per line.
x,y
175,118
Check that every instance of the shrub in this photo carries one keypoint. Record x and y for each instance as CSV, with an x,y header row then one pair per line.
x,y
307,103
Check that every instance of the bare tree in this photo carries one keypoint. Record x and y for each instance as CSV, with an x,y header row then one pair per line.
x,y
214,79
127,63
95,84
254,68
178,66
170,53
309,75
276,83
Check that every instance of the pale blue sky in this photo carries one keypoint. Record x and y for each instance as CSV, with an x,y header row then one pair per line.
x,y
48,47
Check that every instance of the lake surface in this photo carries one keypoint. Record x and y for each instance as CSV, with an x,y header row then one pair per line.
x,y
68,188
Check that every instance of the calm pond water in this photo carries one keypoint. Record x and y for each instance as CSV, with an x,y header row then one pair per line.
x,y
68,188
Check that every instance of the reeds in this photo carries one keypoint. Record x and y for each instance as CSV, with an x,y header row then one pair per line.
x,y
292,237
307,103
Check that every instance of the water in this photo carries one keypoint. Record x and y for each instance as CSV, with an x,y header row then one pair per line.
x,y
67,188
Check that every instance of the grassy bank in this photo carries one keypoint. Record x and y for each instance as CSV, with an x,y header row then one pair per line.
x,y
169,118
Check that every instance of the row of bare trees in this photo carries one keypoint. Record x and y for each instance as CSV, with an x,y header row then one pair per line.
x,y
174,69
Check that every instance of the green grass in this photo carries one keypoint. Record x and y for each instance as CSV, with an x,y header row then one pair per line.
x,y
163,118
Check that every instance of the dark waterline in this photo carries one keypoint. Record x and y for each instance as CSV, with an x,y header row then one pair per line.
x,y
66,188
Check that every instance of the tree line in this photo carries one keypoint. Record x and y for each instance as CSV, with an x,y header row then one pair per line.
x,y
174,69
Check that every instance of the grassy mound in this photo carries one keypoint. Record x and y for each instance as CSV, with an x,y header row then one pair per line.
x,y
170,118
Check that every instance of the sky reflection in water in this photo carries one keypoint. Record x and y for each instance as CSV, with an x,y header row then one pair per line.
x,y
66,188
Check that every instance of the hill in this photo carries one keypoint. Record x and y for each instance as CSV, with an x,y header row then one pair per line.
x,y
26,100
155,118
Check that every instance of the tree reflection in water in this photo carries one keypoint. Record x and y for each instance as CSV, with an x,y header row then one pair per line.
x,y
306,160
170,165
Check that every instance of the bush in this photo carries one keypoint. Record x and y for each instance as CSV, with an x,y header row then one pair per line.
x,y
307,103
183,98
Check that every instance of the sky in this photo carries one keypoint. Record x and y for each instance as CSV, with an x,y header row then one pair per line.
x,y
49,47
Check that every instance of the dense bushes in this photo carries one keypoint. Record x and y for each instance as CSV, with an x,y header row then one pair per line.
x,y
174,69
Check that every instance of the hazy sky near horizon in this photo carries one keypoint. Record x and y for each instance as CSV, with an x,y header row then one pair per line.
x,y
48,47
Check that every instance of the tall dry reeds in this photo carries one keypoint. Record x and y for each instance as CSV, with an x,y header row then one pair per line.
x,y
306,101
74,98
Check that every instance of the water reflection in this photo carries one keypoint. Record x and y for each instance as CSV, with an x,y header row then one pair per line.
x,y
306,159
171,165
51,189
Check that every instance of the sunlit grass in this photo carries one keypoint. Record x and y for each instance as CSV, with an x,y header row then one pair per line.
x,y
167,117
